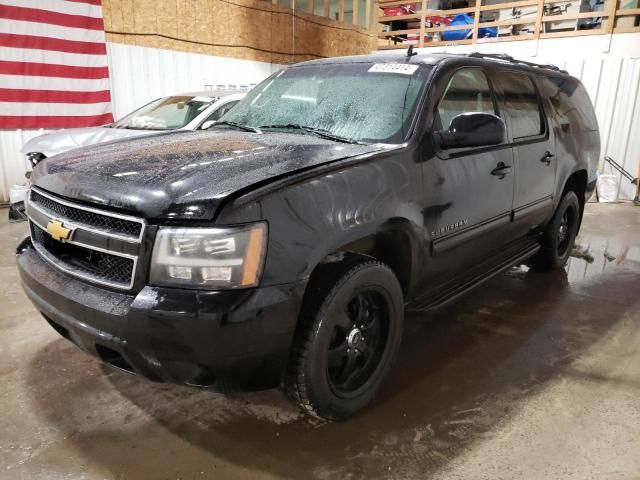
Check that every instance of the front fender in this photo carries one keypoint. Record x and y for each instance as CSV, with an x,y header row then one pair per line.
x,y
317,216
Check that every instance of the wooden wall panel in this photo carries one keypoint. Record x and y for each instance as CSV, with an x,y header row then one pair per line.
x,y
127,21
219,30
201,26
145,20
166,13
191,13
182,25
107,16
246,29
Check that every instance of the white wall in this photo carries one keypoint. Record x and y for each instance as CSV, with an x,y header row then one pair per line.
x,y
609,67
138,75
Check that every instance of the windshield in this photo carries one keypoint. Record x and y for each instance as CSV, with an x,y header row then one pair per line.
x,y
168,113
358,101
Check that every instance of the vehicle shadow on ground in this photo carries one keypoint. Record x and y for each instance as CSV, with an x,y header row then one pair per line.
x,y
461,371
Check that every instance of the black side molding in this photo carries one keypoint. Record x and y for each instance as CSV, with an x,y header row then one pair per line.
x,y
533,208
443,244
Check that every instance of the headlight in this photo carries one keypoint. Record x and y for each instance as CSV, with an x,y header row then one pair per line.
x,y
209,257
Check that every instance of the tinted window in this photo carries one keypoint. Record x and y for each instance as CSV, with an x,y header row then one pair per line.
x,y
521,102
467,91
570,102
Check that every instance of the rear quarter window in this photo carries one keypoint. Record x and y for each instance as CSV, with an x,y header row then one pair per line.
x,y
522,104
570,102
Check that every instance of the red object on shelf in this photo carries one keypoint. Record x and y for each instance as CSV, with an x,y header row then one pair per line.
x,y
432,22
414,38
442,20
406,9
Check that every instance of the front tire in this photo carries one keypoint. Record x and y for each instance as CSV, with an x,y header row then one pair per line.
x,y
348,337
560,235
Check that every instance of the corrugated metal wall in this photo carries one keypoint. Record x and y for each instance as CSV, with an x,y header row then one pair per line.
x,y
609,67
138,75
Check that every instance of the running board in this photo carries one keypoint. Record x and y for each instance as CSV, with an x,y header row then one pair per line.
x,y
512,255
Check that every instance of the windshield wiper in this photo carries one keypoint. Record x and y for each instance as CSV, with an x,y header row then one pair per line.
x,y
295,126
320,132
246,128
332,136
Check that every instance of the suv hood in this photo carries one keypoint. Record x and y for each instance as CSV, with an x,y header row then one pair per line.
x,y
64,140
183,174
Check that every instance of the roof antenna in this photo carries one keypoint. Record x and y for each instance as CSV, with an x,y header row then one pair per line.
x,y
410,52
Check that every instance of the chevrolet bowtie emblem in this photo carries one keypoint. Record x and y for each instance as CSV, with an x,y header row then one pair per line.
x,y
58,231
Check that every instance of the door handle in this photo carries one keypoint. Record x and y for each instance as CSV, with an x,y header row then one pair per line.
x,y
547,157
501,170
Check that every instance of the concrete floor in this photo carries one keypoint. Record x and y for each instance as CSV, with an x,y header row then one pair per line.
x,y
531,376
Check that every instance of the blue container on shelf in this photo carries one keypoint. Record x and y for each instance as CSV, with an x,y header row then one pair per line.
x,y
464,19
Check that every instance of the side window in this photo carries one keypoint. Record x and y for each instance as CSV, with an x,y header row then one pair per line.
x,y
217,114
570,102
522,104
467,91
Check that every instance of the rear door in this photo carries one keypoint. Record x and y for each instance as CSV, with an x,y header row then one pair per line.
x,y
533,146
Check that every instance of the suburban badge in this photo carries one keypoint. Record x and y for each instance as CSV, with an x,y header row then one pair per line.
x,y
447,228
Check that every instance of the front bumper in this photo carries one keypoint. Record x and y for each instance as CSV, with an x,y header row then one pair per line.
x,y
225,340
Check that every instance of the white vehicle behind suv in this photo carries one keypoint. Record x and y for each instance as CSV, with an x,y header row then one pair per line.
x,y
187,111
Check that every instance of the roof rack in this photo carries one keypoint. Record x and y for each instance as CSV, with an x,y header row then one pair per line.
x,y
508,58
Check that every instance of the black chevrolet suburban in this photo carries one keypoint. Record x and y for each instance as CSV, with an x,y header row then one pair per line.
x,y
283,245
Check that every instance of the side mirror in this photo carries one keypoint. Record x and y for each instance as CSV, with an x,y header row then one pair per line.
x,y
207,124
474,129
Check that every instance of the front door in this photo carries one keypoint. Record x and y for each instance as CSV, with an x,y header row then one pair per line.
x,y
468,191
533,149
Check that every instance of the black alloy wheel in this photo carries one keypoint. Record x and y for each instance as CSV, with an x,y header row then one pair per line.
x,y
348,335
565,229
358,341
560,235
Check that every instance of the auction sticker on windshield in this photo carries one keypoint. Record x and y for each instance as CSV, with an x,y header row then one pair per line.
x,y
404,68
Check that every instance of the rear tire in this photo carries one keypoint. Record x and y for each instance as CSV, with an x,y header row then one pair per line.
x,y
560,235
349,332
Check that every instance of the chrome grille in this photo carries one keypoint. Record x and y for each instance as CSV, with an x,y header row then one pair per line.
x,y
100,246
85,216
84,261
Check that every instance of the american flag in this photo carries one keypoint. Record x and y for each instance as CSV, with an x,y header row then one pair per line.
x,y
53,64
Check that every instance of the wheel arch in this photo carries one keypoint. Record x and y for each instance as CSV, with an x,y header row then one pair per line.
x,y
395,244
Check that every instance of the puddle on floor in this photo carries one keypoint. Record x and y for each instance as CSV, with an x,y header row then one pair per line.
x,y
596,256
